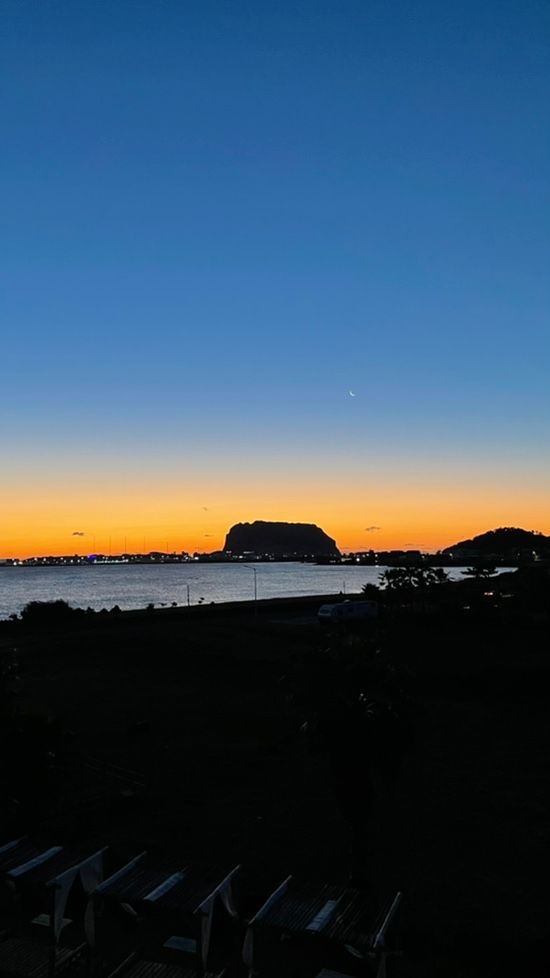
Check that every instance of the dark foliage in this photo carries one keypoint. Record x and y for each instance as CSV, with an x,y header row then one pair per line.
x,y
414,578
49,613
480,572
370,591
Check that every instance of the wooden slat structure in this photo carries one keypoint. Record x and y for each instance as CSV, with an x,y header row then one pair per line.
x,y
156,969
140,968
325,973
318,923
175,906
22,956
40,879
180,891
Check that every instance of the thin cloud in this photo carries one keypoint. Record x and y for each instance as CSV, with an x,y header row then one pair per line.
x,y
78,533
372,529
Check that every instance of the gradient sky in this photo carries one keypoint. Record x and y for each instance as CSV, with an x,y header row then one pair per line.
x,y
218,218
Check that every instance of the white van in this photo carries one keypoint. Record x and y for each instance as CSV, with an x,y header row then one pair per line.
x,y
348,611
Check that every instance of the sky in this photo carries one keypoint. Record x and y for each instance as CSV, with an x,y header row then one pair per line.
x,y
280,260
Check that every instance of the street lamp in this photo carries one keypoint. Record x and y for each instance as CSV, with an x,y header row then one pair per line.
x,y
253,569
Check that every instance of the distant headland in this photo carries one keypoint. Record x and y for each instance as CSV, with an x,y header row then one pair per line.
x,y
507,541
280,540
262,541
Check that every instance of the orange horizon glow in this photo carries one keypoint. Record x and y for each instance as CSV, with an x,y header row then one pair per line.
x,y
417,520
279,265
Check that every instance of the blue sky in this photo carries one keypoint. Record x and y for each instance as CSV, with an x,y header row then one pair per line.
x,y
218,218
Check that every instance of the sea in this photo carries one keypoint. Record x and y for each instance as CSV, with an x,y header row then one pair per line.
x,y
137,585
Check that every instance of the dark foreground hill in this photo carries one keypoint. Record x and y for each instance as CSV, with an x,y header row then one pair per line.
x,y
507,541
255,709
280,539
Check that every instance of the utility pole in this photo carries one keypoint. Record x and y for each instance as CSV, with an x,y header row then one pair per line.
x,y
253,569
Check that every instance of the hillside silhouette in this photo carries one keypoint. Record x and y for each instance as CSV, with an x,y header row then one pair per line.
x,y
280,539
504,541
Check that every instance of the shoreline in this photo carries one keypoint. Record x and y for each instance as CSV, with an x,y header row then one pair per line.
x,y
426,560
166,591
206,610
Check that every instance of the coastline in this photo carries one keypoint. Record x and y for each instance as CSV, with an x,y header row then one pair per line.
x,y
132,588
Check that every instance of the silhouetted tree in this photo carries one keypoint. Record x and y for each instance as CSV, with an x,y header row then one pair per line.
x,y
371,591
413,578
48,613
480,573
397,579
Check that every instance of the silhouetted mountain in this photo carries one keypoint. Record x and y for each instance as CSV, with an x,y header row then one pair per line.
x,y
506,541
280,539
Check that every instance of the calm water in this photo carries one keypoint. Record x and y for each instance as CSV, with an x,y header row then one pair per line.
x,y
136,586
